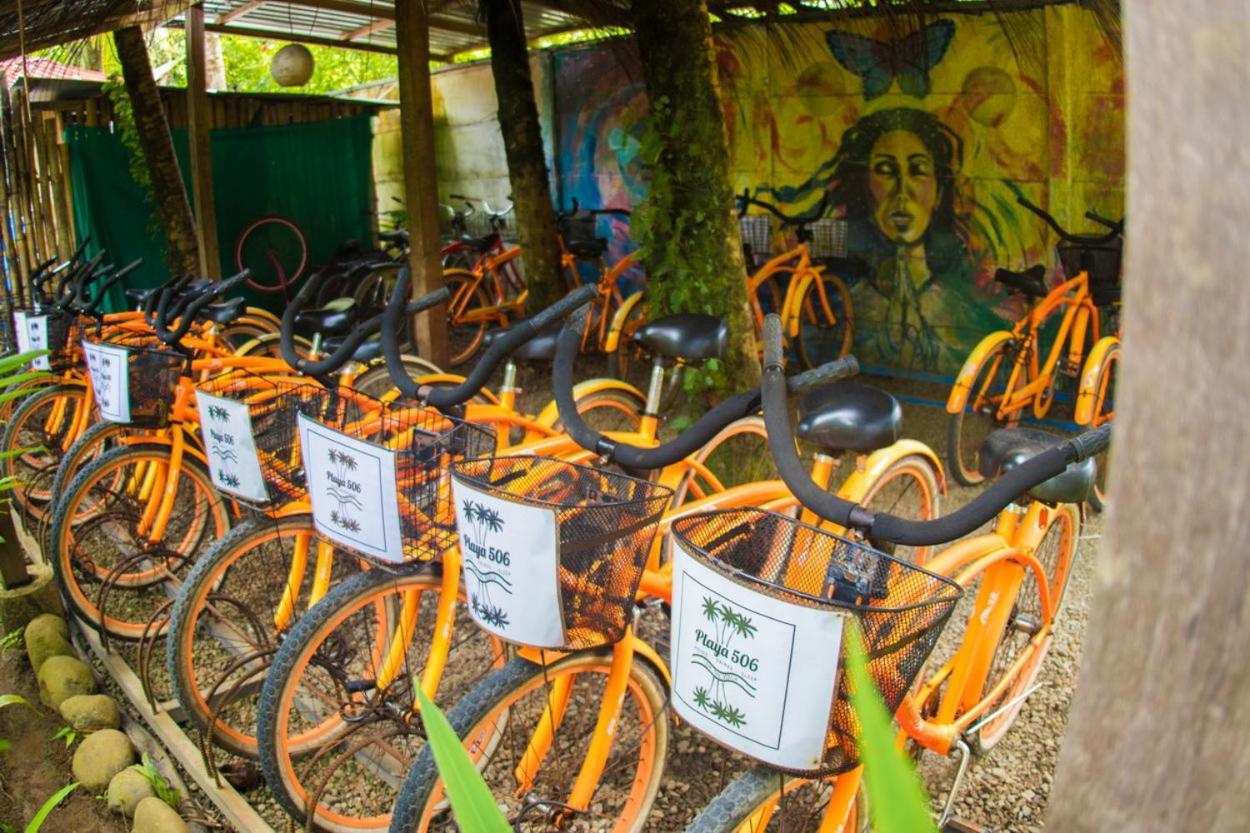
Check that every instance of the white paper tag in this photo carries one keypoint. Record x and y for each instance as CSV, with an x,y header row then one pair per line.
x,y
511,557
227,430
110,380
351,484
757,674
32,334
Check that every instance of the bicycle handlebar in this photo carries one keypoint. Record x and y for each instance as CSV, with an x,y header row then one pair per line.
x,y
1115,226
747,200
685,443
1076,239
90,305
882,526
500,348
187,313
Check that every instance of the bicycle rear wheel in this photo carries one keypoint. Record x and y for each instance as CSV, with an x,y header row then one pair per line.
x,y
275,252
468,314
34,441
498,721
329,736
1104,411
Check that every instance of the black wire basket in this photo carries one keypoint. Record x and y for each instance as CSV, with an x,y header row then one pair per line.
x,y
759,556
143,389
271,445
592,533
352,453
1102,262
757,238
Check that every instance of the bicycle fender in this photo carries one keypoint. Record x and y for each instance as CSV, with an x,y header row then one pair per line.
x,y
1087,392
650,655
550,414
856,487
613,338
963,382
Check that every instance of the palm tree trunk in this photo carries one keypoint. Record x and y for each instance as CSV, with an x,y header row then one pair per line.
x,y
523,144
687,224
173,210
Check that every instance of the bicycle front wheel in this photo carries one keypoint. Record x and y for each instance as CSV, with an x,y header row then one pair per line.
x,y
987,379
825,328
35,439
504,722
468,314
274,251
335,725
764,800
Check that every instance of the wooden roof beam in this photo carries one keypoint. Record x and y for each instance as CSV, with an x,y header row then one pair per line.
x,y
368,29
238,11
270,34
386,12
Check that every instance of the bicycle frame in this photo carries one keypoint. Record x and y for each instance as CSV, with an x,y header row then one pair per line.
x,y
1030,382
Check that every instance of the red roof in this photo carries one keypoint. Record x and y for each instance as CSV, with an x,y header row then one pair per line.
x,y
39,68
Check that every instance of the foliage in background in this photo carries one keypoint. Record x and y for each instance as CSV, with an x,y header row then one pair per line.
x,y
471,802
247,67
896,798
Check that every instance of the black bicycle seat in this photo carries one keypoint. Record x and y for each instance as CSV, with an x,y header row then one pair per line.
x,y
225,312
335,318
538,350
688,336
1007,448
849,416
1032,281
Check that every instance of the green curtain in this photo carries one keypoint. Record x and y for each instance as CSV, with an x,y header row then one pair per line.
x,y
317,174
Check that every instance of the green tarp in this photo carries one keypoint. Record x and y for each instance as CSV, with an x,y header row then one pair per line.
x,y
317,174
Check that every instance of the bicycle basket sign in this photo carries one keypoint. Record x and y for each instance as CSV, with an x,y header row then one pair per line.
x,y
110,380
231,447
32,334
511,558
754,673
351,484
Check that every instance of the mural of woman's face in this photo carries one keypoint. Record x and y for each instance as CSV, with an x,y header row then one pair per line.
x,y
903,185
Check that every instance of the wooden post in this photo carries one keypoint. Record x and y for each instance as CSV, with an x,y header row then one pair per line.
x,y
172,207
1158,738
199,115
416,118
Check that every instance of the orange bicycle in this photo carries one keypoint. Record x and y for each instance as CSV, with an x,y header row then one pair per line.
x,y
1011,371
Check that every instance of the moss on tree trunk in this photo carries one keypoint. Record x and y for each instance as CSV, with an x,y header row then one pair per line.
x,y
687,226
523,144
173,210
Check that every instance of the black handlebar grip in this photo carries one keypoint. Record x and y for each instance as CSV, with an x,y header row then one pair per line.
x,y
498,352
1090,443
843,368
187,318
359,335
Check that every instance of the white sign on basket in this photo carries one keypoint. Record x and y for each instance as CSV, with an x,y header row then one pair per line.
x,y
110,380
351,484
226,425
511,557
32,334
755,673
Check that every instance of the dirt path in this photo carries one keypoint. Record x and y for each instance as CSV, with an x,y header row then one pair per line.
x,y
35,766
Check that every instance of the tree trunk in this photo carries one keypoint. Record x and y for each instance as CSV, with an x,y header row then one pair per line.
x,y
693,252
1158,734
173,210
214,62
523,144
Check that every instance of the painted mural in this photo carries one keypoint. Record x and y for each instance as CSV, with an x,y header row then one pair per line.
x,y
919,140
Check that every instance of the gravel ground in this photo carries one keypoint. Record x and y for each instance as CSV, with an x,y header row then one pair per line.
x,y
1006,790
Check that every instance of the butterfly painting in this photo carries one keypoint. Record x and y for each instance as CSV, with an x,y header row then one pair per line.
x,y
907,59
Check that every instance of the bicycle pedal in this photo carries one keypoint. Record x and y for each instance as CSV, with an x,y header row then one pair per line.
x,y
958,825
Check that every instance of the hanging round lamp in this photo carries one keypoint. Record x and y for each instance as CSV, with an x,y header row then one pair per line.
x,y
292,65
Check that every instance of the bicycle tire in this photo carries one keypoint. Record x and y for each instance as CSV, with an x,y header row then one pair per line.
x,y
224,612
1104,411
469,295
285,281
826,321
375,379
303,671
749,805
500,694
80,565
927,498
1058,558
98,439
966,430
32,450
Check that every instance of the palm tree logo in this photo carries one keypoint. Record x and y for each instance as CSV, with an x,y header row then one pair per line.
x,y
218,413
341,517
480,520
727,625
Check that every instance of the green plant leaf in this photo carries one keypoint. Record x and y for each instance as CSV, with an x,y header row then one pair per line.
x,y
10,363
896,798
160,786
471,801
48,806
5,744
15,700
